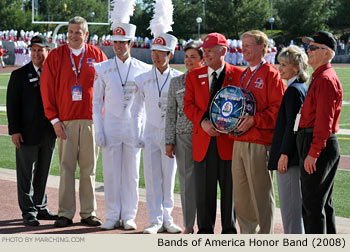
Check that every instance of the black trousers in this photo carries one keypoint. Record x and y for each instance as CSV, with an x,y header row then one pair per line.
x,y
207,173
317,188
32,169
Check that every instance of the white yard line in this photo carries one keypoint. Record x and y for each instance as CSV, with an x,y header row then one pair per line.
x,y
344,132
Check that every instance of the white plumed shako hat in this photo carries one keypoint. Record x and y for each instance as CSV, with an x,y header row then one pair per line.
x,y
160,25
165,42
120,17
124,32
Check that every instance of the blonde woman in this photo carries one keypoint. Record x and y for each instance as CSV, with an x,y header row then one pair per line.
x,y
283,157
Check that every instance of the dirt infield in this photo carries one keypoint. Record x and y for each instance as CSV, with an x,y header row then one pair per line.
x,y
11,220
8,69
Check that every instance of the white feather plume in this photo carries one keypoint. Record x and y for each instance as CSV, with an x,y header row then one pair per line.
x,y
121,11
162,17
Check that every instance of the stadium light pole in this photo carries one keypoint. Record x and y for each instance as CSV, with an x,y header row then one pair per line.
x,y
203,4
92,15
271,21
199,21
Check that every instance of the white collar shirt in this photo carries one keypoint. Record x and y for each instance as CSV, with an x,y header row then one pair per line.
x,y
211,71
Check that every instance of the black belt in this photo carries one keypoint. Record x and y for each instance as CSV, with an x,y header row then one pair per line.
x,y
306,130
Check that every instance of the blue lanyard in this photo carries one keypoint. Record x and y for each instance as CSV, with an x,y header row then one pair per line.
x,y
245,72
160,89
73,65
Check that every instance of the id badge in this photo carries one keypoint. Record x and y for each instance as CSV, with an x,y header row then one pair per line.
x,y
296,123
77,94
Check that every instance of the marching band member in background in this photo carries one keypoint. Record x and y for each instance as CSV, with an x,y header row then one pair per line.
x,y
239,53
2,54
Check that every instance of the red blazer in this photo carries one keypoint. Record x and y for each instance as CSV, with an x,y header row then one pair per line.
x,y
196,103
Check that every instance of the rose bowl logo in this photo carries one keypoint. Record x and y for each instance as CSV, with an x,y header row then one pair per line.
x,y
119,31
159,41
227,109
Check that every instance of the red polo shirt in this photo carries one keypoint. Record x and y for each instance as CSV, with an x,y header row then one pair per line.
x,y
321,108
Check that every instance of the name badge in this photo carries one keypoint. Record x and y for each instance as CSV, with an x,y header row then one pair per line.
x,y
77,94
296,123
202,76
33,79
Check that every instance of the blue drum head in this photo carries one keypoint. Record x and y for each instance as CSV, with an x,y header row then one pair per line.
x,y
226,108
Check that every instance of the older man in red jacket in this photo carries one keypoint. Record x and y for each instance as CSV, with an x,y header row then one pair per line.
x,y
212,151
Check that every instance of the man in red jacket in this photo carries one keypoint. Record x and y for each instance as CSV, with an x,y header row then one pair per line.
x,y
67,88
317,143
212,151
252,183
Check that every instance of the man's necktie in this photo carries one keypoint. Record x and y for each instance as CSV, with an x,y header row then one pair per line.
x,y
39,74
214,88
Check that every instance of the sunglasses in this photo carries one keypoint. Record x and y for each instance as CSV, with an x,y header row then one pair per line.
x,y
314,47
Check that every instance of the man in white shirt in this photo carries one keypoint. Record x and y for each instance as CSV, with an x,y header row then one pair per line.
x,y
114,90
159,170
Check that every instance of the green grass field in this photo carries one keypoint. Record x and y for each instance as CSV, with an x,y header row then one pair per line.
x,y
341,187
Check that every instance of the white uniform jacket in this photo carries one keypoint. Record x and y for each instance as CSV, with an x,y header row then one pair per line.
x,y
114,98
153,96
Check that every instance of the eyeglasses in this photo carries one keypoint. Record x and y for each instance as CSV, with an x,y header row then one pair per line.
x,y
314,47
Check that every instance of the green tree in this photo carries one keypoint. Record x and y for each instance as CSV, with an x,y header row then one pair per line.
x,y
303,17
340,22
13,15
233,17
141,18
185,14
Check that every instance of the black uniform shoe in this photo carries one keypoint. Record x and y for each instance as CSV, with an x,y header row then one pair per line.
x,y
92,221
63,222
46,215
31,221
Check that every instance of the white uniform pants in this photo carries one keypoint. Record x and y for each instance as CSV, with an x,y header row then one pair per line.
x,y
121,163
2,63
159,173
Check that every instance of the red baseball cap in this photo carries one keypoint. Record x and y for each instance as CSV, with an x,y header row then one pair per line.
x,y
213,39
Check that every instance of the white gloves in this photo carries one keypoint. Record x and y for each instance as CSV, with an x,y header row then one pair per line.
x,y
139,143
100,139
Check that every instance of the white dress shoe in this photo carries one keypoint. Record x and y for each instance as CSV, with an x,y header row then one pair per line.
x,y
153,229
171,227
129,224
110,224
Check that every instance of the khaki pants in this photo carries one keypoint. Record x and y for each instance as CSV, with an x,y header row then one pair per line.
x,y
79,147
254,197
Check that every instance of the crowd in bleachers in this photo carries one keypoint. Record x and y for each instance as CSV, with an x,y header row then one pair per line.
x,y
234,55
